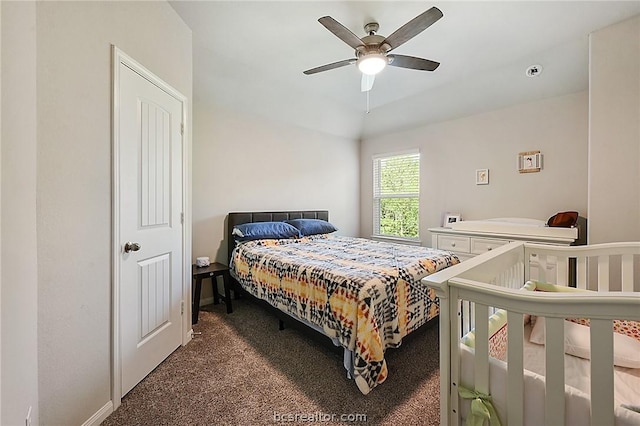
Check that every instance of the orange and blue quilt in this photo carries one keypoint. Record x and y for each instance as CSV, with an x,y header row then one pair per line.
x,y
366,294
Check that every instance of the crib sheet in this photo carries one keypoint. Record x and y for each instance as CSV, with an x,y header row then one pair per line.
x,y
577,372
577,379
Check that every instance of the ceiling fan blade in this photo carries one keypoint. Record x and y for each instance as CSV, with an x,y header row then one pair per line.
x,y
367,82
412,62
413,27
331,66
340,31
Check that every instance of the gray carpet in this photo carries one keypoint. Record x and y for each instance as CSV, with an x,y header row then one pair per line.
x,y
243,371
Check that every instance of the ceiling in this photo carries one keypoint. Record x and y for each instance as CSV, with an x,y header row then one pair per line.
x,y
249,56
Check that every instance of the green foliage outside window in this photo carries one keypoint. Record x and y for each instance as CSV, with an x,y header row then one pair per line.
x,y
397,195
399,217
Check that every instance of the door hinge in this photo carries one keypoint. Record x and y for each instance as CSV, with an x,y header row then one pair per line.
x,y
182,218
182,129
182,308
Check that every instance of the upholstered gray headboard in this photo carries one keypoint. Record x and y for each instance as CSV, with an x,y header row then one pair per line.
x,y
237,218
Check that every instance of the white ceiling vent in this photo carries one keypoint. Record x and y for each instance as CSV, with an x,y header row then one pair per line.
x,y
534,71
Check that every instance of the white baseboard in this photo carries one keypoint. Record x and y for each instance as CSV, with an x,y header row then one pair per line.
x,y
99,416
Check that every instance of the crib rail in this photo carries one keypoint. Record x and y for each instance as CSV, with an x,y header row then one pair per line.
x,y
471,291
601,308
490,267
611,261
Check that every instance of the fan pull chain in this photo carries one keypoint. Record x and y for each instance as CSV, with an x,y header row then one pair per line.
x,y
368,101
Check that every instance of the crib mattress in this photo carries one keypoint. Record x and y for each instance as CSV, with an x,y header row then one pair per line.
x,y
577,377
577,372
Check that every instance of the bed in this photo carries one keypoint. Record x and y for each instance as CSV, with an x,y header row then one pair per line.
x,y
538,351
365,295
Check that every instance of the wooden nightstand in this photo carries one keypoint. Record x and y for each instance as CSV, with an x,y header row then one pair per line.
x,y
212,271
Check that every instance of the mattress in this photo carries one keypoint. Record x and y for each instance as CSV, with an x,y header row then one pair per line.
x,y
365,294
577,379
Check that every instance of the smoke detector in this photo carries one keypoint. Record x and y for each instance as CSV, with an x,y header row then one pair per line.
x,y
534,71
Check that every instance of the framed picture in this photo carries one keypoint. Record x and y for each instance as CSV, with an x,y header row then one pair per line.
x,y
529,162
450,218
482,177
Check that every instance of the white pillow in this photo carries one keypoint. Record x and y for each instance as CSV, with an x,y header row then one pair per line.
x,y
626,350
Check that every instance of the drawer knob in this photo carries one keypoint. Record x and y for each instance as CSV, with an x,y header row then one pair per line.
x,y
489,249
453,244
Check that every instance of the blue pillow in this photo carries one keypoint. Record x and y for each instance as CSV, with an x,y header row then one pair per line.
x,y
312,226
264,231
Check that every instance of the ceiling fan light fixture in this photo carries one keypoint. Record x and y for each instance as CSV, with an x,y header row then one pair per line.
x,y
372,63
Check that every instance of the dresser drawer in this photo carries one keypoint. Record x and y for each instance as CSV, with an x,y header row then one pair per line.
x,y
450,243
482,245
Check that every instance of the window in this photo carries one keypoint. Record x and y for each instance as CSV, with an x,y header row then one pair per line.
x,y
396,195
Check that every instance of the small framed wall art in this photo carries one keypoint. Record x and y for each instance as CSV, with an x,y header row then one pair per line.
x,y
482,177
529,162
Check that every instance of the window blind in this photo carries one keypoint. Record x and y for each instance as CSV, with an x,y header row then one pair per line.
x,y
396,191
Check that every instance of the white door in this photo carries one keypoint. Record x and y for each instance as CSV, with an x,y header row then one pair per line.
x,y
150,200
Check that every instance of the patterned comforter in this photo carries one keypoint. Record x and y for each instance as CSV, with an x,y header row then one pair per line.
x,y
364,293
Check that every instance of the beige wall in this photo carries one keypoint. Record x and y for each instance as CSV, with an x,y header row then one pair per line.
x,y
19,277
74,184
247,163
614,133
55,165
452,151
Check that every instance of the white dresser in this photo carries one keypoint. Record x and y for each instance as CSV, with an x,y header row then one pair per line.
x,y
468,239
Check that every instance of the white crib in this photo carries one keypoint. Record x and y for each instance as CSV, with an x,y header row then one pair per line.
x,y
471,291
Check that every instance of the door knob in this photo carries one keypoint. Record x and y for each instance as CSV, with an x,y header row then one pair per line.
x,y
129,246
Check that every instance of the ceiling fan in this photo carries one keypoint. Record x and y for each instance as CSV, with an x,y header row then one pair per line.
x,y
372,50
